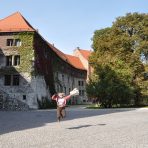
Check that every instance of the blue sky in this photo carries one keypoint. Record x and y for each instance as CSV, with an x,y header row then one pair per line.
x,y
71,23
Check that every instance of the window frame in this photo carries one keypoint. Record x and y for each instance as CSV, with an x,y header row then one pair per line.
x,y
10,42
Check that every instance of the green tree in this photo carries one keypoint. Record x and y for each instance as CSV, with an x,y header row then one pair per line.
x,y
117,60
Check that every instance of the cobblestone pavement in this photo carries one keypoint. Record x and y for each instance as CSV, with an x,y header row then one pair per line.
x,y
82,128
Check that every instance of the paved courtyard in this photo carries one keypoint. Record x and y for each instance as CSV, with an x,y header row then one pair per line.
x,y
82,128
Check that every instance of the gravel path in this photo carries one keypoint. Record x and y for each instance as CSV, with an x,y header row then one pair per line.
x,y
82,128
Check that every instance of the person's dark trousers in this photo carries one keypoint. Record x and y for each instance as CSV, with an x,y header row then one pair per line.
x,y
60,112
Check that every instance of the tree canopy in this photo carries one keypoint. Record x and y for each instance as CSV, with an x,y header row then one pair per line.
x,y
119,57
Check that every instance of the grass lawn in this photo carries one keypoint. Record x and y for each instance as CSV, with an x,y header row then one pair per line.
x,y
94,106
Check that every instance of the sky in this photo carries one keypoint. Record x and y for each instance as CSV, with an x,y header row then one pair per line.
x,y
69,24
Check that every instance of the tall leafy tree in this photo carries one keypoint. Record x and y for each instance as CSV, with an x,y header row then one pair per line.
x,y
117,60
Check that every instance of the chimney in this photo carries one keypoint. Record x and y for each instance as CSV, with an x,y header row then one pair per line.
x,y
78,48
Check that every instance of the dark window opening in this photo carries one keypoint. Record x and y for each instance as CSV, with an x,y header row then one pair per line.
x,y
24,97
9,42
16,60
82,92
7,81
79,83
62,77
65,90
15,80
8,60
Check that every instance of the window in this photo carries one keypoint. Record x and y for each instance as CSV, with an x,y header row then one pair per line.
x,y
14,42
13,60
11,80
82,92
65,90
17,42
7,80
62,77
24,97
16,60
8,60
79,83
82,83
9,42
15,80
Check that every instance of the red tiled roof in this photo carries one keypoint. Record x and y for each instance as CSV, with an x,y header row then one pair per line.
x,y
85,53
72,60
75,61
15,22
58,52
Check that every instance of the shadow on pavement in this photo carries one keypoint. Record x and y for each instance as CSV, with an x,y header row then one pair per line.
x,y
78,127
11,121
84,126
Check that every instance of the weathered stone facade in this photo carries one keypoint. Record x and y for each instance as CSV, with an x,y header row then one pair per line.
x,y
30,87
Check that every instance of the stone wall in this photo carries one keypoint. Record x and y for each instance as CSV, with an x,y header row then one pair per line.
x,y
30,88
13,104
64,82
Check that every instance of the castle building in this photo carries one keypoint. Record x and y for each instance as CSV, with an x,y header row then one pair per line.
x,y
32,69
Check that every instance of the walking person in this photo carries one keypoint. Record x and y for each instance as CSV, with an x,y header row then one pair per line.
x,y
61,100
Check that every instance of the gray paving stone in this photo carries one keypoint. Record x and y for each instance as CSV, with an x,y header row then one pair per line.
x,y
82,128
